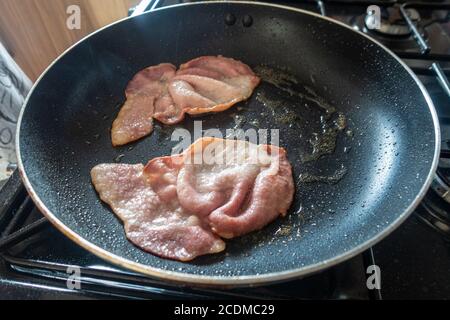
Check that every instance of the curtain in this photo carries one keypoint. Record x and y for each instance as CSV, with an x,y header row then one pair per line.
x,y
14,86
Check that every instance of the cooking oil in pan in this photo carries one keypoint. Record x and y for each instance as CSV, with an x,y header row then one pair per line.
x,y
284,230
286,82
279,78
330,179
278,110
325,142
332,123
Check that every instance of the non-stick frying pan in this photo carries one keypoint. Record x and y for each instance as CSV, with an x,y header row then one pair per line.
x,y
389,148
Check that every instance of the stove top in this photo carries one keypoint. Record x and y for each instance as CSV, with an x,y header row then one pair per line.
x,y
37,262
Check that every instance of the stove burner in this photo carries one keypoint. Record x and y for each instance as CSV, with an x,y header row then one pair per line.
x,y
441,188
392,30
391,24
434,208
433,211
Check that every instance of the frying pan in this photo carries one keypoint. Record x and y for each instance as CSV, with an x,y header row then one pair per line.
x,y
389,148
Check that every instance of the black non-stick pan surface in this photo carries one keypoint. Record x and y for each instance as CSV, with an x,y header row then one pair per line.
x,y
385,156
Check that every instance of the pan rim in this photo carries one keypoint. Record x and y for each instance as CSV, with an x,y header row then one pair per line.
x,y
258,279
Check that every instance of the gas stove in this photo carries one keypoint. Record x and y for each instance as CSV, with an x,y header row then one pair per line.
x,y
414,260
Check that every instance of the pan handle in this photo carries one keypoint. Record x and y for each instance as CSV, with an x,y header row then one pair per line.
x,y
143,6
